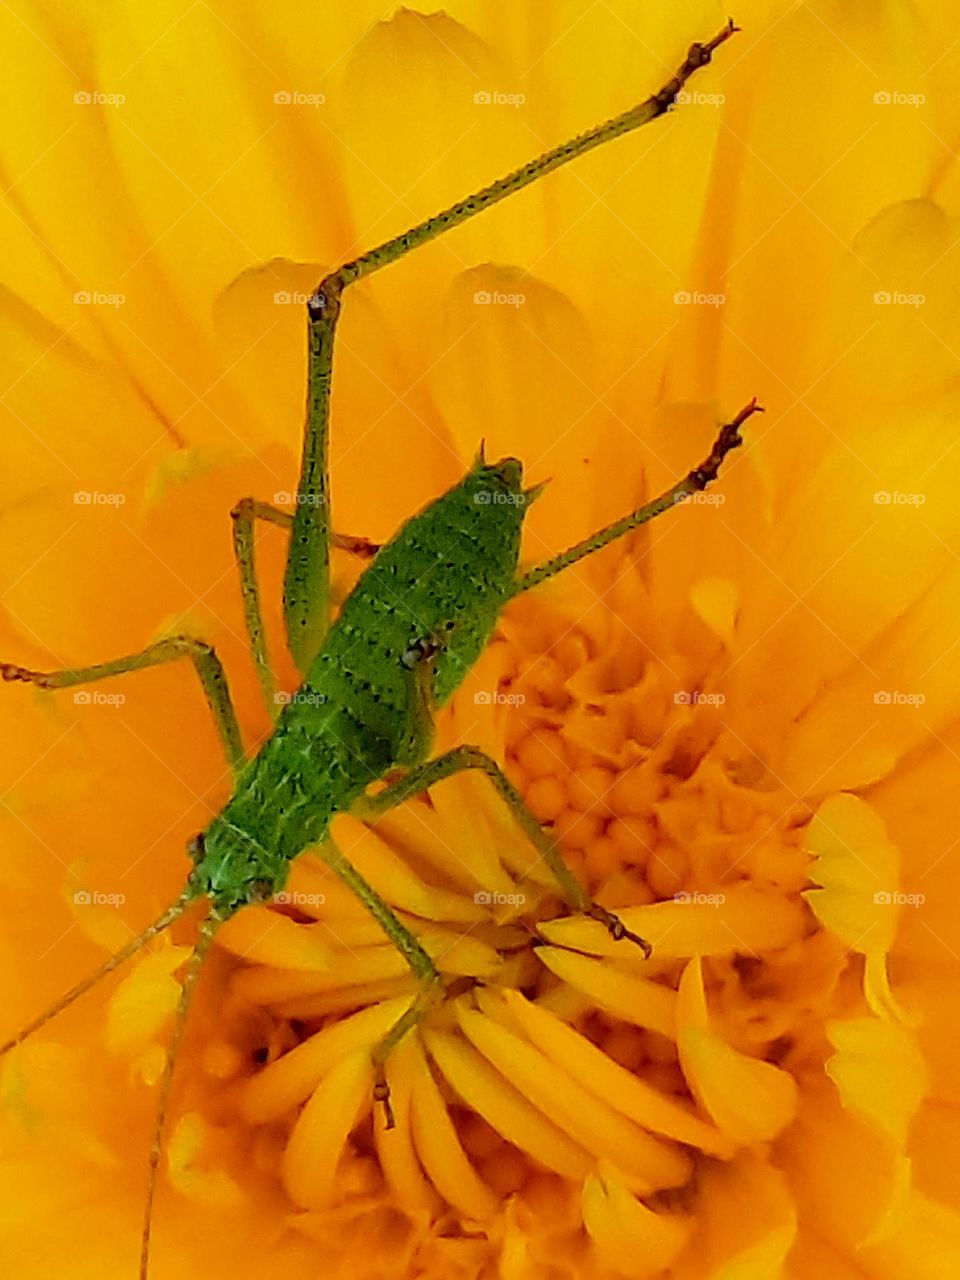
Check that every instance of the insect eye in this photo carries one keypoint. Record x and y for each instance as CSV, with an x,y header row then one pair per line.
x,y
196,847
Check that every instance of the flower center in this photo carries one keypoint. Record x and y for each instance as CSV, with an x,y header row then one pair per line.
x,y
558,1053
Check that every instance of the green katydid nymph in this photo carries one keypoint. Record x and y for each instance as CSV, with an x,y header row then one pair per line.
x,y
420,615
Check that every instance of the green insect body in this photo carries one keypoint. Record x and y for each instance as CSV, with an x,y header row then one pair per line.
x,y
418,618
447,574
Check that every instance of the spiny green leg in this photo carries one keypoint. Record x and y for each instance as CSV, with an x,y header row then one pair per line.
x,y
423,968
307,583
205,661
468,757
208,928
697,479
244,515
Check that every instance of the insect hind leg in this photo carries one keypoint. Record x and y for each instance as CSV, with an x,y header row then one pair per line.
x,y
468,757
245,516
307,580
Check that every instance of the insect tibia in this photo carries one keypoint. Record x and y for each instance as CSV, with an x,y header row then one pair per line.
x,y
86,984
327,295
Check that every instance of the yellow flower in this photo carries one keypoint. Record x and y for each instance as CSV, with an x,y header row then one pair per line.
x,y
742,725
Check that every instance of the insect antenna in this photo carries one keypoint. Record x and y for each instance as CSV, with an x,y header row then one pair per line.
x,y
132,947
208,928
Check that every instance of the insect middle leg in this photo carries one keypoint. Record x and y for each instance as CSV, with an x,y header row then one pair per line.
x,y
468,757
244,516
206,664
424,970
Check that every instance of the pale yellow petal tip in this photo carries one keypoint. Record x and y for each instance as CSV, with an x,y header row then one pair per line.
x,y
716,602
195,1164
183,465
630,1239
749,1099
879,994
144,1001
857,871
879,1071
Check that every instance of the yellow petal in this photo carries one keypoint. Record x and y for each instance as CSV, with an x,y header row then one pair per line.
x,y
607,1079
879,1071
637,1000
750,1100
396,882
194,1168
746,919
287,1082
438,1145
317,1140
590,1121
919,1241
858,870
144,1000
715,600
504,1109
261,936
630,1238
395,1149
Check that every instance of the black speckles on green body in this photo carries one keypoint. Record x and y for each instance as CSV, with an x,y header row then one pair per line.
x,y
443,578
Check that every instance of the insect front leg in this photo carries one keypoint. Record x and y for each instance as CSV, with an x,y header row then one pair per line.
x,y
206,664
244,516
467,757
